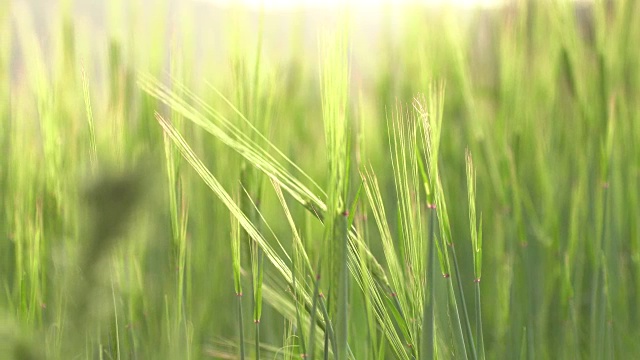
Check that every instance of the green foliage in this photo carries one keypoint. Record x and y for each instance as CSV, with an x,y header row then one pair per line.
x,y
374,215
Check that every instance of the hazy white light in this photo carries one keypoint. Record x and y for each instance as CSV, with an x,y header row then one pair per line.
x,y
293,4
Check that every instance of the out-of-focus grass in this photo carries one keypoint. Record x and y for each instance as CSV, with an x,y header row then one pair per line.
x,y
368,200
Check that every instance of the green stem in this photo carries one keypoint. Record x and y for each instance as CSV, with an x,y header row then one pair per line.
x,y
240,324
427,350
458,326
329,333
467,323
480,344
314,312
257,322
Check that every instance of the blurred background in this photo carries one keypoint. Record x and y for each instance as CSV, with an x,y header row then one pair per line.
x,y
111,246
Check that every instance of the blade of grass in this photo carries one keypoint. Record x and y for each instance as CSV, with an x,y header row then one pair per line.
x,y
237,280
